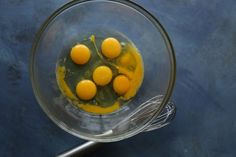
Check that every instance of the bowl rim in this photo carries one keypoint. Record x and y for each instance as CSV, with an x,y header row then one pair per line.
x,y
166,39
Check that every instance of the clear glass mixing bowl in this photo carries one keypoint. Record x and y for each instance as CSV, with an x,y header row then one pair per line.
x,y
71,23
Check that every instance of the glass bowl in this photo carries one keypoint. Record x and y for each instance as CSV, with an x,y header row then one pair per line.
x,y
73,22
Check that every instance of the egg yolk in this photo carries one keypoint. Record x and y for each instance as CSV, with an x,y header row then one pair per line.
x,y
102,75
80,54
111,48
126,59
86,89
121,84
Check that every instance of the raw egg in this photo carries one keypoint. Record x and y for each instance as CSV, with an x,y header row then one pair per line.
x,y
86,89
111,48
110,79
80,54
102,75
121,84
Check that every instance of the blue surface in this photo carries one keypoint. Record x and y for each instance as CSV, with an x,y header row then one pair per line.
x,y
204,37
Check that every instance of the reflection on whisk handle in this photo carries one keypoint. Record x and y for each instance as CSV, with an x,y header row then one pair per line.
x,y
80,150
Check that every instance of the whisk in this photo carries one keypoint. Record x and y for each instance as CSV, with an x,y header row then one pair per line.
x,y
144,111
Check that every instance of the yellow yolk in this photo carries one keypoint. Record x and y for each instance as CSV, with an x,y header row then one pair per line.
x,y
128,63
111,48
98,109
61,72
80,54
125,59
86,89
102,75
136,76
121,84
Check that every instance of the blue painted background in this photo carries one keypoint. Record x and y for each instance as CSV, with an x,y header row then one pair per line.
x,y
204,37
